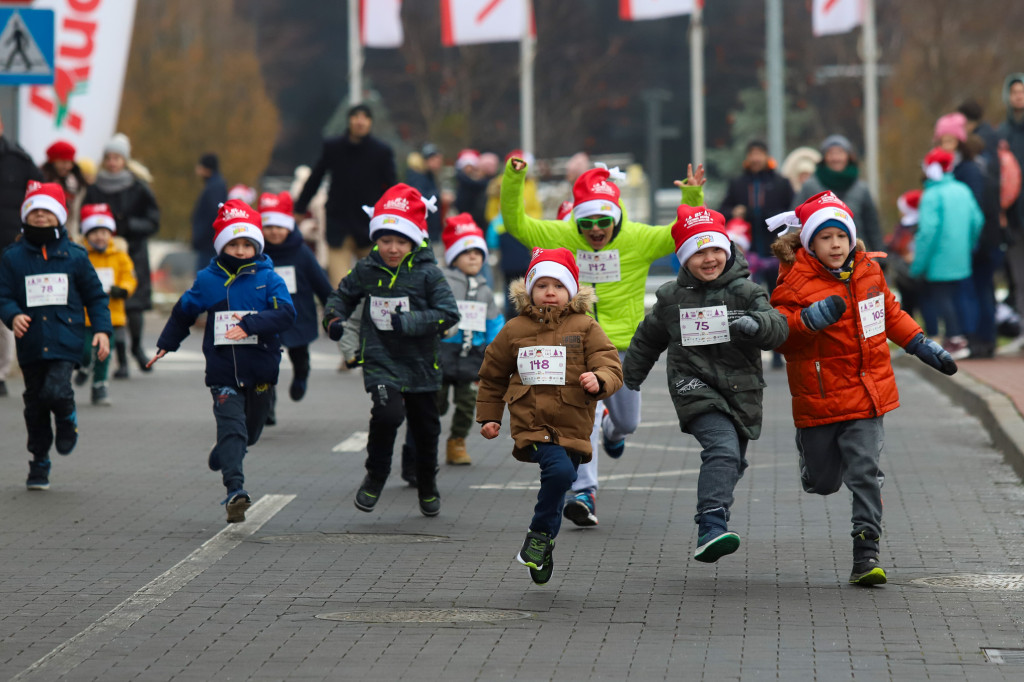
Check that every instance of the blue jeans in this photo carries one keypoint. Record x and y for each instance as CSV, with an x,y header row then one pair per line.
x,y
984,268
722,461
240,414
940,299
557,472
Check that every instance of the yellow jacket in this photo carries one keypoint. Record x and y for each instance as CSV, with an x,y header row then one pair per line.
x,y
113,266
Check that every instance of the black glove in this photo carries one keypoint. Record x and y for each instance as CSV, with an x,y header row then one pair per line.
x,y
335,329
932,354
398,322
822,313
118,292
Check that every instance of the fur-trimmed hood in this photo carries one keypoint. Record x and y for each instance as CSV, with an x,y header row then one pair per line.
x,y
786,246
582,302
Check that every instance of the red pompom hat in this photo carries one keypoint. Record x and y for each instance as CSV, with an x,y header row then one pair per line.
x,y
401,209
48,196
697,228
909,203
593,194
60,151
937,163
461,234
276,209
559,264
739,232
97,215
237,220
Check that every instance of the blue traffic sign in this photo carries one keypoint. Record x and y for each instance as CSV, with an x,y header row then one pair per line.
x,y
26,46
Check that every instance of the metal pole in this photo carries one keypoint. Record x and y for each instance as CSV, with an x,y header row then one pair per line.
x,y
697,82
775,76
871,97
355,55
526,55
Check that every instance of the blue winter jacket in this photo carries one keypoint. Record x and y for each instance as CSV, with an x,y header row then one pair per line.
x,y
948,227
310,279
255,287
57,332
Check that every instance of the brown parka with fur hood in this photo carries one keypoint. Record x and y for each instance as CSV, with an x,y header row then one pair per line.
x,y
563,415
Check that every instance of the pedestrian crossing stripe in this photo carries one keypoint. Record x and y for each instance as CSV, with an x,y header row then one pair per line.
x,y
26,46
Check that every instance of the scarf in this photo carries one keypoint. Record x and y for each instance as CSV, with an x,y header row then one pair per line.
x,y
837,182
112,183
40,236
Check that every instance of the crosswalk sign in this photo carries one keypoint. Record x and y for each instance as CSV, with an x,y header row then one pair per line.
x,y
26,46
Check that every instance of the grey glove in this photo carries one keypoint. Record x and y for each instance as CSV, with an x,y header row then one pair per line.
x,y
746,325
822,313
932,354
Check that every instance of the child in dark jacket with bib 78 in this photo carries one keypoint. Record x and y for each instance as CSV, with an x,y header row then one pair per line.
x,y
248,306
408,306
46,285
841,316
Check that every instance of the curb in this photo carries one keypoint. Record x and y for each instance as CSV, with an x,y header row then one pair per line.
x,y
994,409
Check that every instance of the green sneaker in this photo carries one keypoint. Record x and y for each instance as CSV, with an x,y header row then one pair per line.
x,y
715,544
536,551
867,573
368,494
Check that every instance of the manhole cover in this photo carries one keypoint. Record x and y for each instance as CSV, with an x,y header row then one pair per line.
x,y
1004,656
426,616
968,581
348,538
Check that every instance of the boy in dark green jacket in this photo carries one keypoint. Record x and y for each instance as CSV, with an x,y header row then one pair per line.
x,y
715,322
408,306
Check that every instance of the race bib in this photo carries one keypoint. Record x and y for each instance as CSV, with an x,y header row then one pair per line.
x,y
704,326
49,289
223,320
381,309
472,316
106,276
287,273
872,316
598,266
542,365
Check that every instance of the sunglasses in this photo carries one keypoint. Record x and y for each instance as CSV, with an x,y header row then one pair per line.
x,y
601,223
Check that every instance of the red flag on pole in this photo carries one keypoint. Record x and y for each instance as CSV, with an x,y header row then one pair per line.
x,y
829,17
638,10
469,22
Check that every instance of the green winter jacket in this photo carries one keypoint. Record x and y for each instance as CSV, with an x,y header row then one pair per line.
x,y
638,245
724,376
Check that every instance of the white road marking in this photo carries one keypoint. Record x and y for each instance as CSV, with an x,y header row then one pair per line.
x,y
531,485
75,651
354,443
654,425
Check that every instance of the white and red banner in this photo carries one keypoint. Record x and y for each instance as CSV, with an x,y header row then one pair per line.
x,y
381,23
829,17
470,22
92,42
638,10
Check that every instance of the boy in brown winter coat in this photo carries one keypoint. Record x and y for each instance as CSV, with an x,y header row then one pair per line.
x,y
550,364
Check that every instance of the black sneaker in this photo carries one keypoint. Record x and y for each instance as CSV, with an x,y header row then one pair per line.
x,y
38,475
236,503
122,372
100,397
67,434
714,539
580,509
867,573
536,555
81,376
297,390
368,494
430,505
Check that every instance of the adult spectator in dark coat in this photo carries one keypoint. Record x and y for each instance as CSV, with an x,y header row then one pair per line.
x,y
215,193
362,168
137,218
425,181
16,169
1012,130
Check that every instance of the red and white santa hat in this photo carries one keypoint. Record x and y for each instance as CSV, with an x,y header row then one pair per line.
x,y
811,216
739,232
237,220
276,209
593,194
697,228
48,196
564,210
461,234
467,157
558,264
243,192
401,209
909,203
937,163
97,215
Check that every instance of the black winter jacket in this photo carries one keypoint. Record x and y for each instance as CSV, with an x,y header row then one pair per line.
x,y
764,194
16,169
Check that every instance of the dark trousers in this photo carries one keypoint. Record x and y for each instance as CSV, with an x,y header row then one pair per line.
x,y
299,355
983,274
390,408
940,300
240,414
135,328
722,461
557,473
47,389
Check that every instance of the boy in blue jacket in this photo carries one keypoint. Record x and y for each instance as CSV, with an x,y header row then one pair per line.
x,y
46,285
248,305
297,266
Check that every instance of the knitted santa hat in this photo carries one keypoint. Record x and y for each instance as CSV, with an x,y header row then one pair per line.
x,y
97,215
593,194
908,203
822,210
937,163
559,264
60,151
401,209
243,192
461,234
48,196
237,220
698,228
276,209
739,232
564,210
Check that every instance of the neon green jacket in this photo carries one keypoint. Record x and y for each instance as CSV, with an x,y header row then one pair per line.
x,y
620,305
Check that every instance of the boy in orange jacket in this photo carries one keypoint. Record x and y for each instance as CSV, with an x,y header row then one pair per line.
x,y
840,314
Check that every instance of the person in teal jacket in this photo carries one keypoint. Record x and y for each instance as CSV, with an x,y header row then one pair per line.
x,y
614,255
948,228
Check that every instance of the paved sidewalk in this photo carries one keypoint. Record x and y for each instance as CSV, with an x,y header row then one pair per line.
x,y
627,600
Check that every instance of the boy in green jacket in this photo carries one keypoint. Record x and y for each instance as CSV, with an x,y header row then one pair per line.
x,y
715,322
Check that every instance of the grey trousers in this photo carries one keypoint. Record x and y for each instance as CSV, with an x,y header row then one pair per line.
x,y
846,452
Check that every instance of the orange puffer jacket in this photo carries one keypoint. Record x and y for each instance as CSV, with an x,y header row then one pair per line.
x,y
836,374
